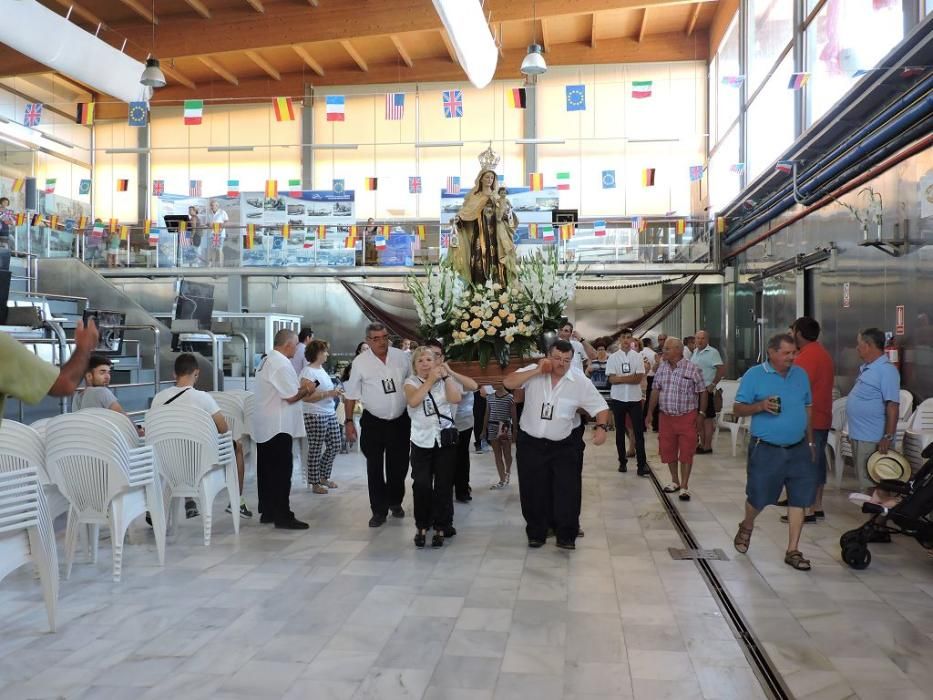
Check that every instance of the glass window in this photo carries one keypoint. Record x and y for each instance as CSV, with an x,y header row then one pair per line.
x,y
770,121
845,37
727,60
770,30
724,184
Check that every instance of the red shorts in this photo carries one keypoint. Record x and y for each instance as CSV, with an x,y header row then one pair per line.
x,y
677,438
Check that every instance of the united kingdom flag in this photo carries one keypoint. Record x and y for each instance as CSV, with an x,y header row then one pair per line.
x,y
33,114
453,104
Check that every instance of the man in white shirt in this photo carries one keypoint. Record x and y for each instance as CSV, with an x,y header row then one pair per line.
x,y
548,451
653,360
184,394
276,422
376,379
625,369
582,350
219,219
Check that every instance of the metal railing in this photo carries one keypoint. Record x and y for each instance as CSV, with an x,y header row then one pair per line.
x,y
651,240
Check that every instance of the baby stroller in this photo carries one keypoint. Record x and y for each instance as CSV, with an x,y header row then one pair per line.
x,y
911,516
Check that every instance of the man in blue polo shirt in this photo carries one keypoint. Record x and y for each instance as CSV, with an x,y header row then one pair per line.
x,y
874,404
781,452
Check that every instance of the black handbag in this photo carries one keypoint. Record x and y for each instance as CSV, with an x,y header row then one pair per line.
x,y
449,436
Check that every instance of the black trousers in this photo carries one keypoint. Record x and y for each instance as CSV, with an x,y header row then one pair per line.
x,y
432,473
479,414
653,419
632,409
462,469
549,485
385,445
274,478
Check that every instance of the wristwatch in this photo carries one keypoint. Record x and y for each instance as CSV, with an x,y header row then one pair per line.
x,y
887,436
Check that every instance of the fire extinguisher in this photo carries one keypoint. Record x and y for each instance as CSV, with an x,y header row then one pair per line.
x,y
890,349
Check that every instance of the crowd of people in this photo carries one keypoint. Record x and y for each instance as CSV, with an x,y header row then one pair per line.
x,y
414,411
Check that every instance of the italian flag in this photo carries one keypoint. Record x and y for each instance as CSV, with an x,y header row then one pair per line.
x,y
563,181
194,111
641,89
294,188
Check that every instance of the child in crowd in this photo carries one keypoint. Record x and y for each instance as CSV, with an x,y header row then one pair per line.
x,y
499,419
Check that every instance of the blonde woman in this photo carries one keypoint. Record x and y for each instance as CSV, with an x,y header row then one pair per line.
x,y
432,395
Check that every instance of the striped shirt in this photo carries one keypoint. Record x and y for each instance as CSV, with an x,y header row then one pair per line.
x,y
678,387
500,408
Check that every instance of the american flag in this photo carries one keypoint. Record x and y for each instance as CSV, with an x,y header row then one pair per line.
x,y
395,105
194,188
453,103
33,114
158,188
414,184
453,185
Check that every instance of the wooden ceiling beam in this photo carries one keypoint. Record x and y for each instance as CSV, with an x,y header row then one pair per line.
x,y
178,76
644,25
141,10
256,5
692,22
200,8
219,70
656,47
80,11
264,64
593,30
306,57
402,51
545,36
284,24
354,54
451,51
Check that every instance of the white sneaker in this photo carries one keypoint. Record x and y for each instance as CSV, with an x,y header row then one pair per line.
x,y
671,488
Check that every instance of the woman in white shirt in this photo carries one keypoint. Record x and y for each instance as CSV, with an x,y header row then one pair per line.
x,y
320,414
431,395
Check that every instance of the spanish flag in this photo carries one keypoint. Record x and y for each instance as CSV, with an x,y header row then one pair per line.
x,y
566,232
82,223
422,233
182,226
351,239
215,227
372,184
272,188
680,227
124,233
18,184
535,181
285,231
250,236
322,232
385,230
20,219
284,109
37,219
113,225
53,221
532,230
720,224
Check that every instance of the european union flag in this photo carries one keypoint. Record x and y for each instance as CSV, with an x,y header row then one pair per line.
x,y
576,98
138,114
609,179
338,186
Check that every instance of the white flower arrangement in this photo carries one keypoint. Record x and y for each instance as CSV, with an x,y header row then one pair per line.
x,y
546,288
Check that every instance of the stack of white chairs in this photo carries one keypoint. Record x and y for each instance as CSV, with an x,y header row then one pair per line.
x,y
196,462
106,479
726,419
21,448
834,439
40,426
237,407
905,412
26,534
919,434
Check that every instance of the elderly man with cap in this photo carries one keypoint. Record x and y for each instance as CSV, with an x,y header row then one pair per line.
x,y
276,422
548,451
782,452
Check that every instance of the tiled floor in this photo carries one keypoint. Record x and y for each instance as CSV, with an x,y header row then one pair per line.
x,y
343,611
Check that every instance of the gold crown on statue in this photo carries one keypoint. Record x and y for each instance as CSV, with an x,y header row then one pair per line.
x,y
488,159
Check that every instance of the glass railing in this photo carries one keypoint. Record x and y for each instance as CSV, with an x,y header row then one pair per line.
x,y
644,240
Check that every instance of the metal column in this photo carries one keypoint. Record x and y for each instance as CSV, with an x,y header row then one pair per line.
x,y
530,128
307,140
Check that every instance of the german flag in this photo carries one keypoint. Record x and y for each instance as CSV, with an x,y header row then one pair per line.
x,y
123,185
372,184
272,189
647,177
85,113
535,181
284,109
518,98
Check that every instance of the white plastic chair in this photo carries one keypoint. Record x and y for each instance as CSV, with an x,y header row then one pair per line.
x,y
918,434
26,534
194,460
730,388
834,439
21,448
106,481
905,413
237,407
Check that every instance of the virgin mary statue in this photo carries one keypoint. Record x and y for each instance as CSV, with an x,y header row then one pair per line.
x,y
484,247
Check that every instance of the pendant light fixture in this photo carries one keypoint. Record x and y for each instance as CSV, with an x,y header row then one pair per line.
x,y
152,76
534,63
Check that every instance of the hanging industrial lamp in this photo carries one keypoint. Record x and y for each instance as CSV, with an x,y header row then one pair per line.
x,y
152,76
534,63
